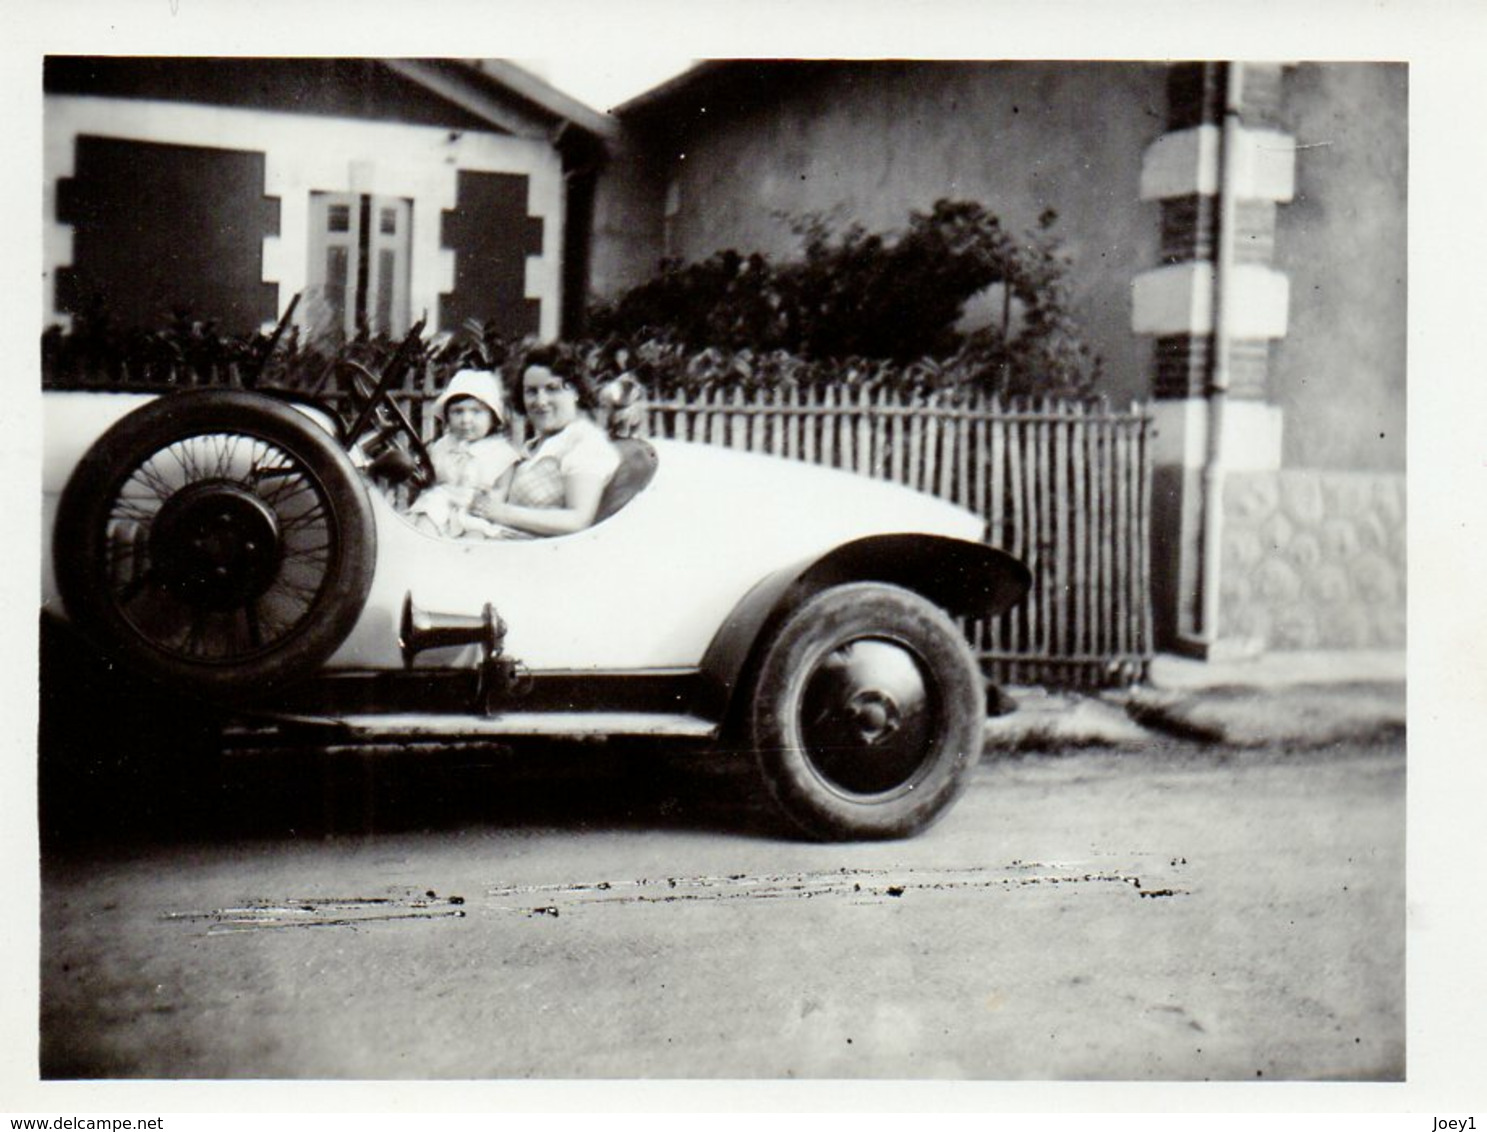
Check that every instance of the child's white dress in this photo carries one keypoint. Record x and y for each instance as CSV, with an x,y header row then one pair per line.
x,y
463,469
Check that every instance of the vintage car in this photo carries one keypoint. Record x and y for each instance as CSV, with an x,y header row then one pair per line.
x,y
233,546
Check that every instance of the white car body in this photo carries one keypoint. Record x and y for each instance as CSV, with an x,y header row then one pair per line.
x,y
645,589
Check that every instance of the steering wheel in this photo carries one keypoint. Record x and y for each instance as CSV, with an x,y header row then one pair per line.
x,y
375,421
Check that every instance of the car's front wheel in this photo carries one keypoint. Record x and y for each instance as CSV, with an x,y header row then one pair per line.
x,y
867,713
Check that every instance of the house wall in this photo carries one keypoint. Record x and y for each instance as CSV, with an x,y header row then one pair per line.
x,y
1314,553
304,154
1340,371
1305,488
868,143
628,227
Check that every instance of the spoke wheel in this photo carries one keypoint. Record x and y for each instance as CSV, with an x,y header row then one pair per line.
x,y
216,539
867,713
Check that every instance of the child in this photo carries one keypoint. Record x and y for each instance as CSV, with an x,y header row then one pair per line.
x,y
471,457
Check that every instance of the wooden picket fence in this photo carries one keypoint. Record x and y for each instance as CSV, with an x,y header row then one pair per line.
x,y
1063,485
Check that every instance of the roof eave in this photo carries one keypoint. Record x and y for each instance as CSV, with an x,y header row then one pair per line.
x,y
452,83
658,95
549,98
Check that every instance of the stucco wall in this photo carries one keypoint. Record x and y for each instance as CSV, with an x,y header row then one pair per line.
x,y
628,227
869,142
1314,559
1340,371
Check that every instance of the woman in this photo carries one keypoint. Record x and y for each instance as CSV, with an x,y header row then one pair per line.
x,y
568,462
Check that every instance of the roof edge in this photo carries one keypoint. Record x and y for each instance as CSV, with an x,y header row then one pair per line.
x,y
693,75
504,95
548,97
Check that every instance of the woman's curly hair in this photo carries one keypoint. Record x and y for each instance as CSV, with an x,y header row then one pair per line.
x,y
563,361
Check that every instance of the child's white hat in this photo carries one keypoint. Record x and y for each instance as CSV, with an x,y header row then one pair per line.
x,y
480,384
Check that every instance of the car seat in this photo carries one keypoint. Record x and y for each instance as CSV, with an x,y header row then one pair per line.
x,y
637,466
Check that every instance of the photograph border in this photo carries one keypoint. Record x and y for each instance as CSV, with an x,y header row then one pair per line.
x,y
1447,472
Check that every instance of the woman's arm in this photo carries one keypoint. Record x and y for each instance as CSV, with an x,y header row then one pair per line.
x,y
581,494
501,489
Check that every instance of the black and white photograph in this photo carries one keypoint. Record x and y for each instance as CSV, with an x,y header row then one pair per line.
x,y
792,563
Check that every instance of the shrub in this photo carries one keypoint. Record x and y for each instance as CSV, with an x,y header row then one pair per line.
x,y
858,296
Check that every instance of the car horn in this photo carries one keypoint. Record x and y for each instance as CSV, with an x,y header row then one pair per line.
x,y
499,675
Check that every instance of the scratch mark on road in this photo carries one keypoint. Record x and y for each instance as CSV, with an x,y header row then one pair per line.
x,y
323,912
859,886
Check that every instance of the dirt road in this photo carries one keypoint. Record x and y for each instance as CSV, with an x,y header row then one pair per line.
x,y
1178,914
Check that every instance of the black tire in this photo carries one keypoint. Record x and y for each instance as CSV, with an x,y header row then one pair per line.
x,y
217,541
867,713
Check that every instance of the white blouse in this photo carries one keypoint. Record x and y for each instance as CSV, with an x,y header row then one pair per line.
x,y
579,447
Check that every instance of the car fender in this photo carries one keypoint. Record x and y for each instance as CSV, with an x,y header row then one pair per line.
x,y
964,578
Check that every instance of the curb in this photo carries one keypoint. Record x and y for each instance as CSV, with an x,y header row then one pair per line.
x,y
1301,715
1297,716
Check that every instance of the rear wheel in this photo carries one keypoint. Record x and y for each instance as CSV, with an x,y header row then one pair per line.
x,y
867,713
216,541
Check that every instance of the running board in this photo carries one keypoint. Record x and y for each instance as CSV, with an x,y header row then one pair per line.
x,y
415,727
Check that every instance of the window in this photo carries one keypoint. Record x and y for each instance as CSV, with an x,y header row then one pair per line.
x,y
360,263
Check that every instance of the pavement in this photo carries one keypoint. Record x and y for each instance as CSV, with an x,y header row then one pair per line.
x,y
1301,700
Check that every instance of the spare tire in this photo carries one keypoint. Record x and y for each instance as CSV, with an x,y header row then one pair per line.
x,y
218,541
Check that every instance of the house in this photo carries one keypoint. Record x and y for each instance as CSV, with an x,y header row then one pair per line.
x,y
385,190
1237,235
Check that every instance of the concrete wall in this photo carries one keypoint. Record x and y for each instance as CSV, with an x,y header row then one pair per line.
x,y
869,142
1340,371
1315,559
